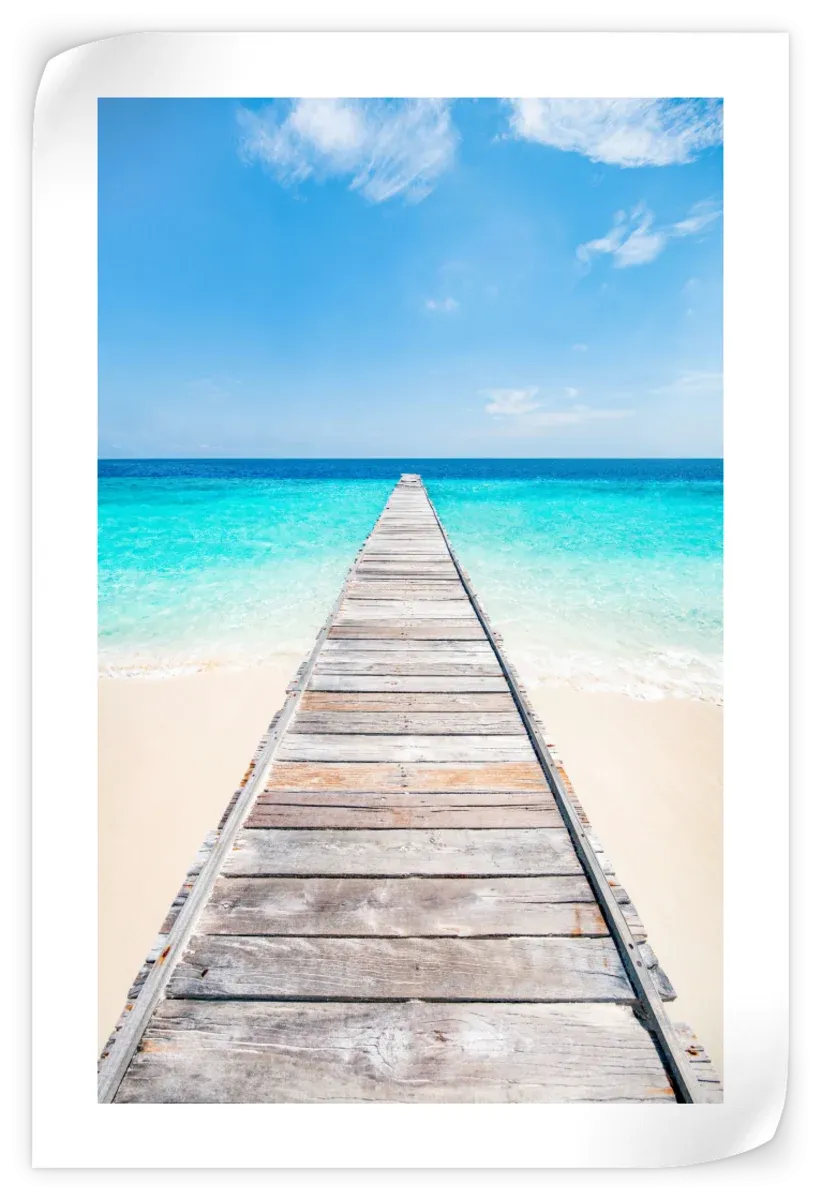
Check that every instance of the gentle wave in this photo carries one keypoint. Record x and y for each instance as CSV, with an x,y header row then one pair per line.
x,y
605,582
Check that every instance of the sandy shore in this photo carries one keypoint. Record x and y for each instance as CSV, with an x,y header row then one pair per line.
x,y
171,754
649,775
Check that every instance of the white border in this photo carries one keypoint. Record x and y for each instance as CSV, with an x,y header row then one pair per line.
x,y
750,71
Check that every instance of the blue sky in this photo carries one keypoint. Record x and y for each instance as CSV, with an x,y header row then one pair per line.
x,y
347,278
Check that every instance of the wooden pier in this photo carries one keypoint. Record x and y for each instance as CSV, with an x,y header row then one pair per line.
x,y
404,901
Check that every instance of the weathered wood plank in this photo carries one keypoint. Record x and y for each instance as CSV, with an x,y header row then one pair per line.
x,y
382,748
393,546
408,777
408,702
441,650
516,968
327,682
384,568
403,852
442,723
556,906
394,799
356,610
420,630
269,1052
405,589
373,664
267,814
407,562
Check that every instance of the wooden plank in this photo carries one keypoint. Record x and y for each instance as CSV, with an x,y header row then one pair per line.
x,y
393,546
407,702
556,906
358,610
443,650
420,630
403,852
416,563
403,589
516,968
268,814
374,568
394,799
407,777
327,682
374,664
441,723
399,748
269,1052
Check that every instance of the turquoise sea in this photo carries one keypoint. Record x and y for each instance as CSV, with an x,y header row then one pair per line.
x,y
605,573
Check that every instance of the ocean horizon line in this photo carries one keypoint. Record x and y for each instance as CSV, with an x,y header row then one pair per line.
x,y
413,458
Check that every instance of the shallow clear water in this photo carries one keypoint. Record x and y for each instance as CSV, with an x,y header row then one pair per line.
x,y
603,573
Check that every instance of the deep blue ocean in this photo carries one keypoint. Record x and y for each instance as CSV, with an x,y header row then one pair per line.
x,y
602,573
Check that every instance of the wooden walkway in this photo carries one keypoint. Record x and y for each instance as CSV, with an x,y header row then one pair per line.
x,y
404,901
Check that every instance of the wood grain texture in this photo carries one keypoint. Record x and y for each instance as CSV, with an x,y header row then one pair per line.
x,y
268,814
446,610
413,664
559,905
404,810
408,702
269,1052
403,852
442,650
516,968
406,588
327,682
387,748
442,723
418,630
408,777
405,799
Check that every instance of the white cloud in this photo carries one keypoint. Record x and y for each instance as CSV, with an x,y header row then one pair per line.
x,y
580,347
633,241
624,133
385,147
701,215
526,413
577,414
691,382
447,305
509,402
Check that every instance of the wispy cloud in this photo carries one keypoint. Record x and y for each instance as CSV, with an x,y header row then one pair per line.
x,y
701,215
690,382
577,414
624,133
633,241
509,402
385,148
520,412
448,305
580,347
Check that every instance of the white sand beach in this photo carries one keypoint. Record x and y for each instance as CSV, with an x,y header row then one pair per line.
x,y
649,774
